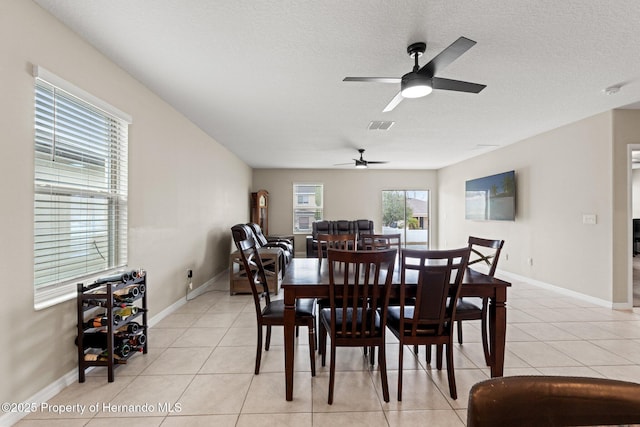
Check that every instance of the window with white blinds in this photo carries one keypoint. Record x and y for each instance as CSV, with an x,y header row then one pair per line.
x,y
80,197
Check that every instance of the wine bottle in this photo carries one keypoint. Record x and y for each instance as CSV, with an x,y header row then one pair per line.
x,y
116,278
127,293
132,327
103,303
92,357
104,357
128,310
139,348
122,350
99,340
137,340
123,277
98,321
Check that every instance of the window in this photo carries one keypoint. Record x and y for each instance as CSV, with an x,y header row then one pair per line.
x,y
307,206
80,191
407,212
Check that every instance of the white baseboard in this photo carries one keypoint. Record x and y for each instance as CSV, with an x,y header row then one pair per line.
x,y
182,301
567,292
10,418
71,377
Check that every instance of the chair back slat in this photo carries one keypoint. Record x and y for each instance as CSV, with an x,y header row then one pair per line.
x,y
439,274
360,282
245,242
485,251
372,242
335,241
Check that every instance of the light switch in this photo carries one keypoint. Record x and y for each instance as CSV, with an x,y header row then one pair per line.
x,y
590,219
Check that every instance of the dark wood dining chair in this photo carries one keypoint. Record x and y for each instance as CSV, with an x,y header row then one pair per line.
x,y
376,242
429,321
532,401
381,241
359,286
335,241
270,313
484,252
326,242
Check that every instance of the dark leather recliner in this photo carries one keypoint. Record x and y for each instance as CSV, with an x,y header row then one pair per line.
x,y
336,227
344,227
321,227
265,242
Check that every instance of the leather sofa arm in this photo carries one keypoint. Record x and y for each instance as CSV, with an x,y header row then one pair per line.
x,y
281,242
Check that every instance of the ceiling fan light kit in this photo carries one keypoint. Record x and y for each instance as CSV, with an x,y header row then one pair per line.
x,y
414,85
421,81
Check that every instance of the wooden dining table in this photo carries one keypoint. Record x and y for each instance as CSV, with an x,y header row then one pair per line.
x,y
309,278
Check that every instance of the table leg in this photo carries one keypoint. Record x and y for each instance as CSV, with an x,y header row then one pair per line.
x,y
498,331
289,332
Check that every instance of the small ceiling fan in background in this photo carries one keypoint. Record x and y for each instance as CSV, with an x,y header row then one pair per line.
x,y
421,81
361,163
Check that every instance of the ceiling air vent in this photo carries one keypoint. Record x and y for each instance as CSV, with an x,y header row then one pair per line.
x,y
380,125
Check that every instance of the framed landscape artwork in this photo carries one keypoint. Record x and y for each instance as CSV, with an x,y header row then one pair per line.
x,y
491,198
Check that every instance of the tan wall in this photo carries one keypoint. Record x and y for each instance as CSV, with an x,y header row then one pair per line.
x,y
185,191
348,194
560,175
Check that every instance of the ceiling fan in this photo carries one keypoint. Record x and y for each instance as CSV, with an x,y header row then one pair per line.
x,y
421,81
361,163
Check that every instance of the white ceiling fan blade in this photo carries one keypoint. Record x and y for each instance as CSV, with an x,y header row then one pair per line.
x,y
394,103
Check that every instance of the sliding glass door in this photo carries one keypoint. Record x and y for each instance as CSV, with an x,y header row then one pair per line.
x,y
407,212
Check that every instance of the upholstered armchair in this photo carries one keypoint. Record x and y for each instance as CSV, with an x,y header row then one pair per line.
x,y
272,242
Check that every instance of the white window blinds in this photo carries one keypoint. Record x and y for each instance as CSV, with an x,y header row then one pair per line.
x,y
80,197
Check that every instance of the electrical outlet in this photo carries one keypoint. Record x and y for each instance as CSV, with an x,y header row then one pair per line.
x,y
506,257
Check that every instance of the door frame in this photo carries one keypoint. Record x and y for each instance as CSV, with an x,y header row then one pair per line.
x,y
630,149
429,211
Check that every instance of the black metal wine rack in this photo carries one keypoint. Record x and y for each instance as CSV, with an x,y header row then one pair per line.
x,y
98,311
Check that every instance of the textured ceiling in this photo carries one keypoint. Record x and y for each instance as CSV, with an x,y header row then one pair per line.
x,y
264,78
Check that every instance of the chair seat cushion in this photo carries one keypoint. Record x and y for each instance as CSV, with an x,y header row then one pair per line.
x,y
393,320
284,242
469,304
304,307
285,246
325,313
393,314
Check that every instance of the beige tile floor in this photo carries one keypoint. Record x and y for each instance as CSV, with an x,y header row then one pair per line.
x,y
199,369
